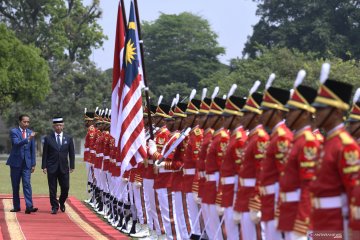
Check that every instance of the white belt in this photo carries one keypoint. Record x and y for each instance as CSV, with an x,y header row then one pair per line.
x,y
92,151
327,202
293,196
247,182
189,171
107,157
355,212
86,149
227,180
150,161
163,170
202,174
266,190
212,177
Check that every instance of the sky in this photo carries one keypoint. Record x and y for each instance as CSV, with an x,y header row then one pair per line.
x,y
232,20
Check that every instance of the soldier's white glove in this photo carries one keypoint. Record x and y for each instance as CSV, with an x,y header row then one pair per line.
x,y
255,216
237,217
125,180
138,184
220,210
152,147
159,165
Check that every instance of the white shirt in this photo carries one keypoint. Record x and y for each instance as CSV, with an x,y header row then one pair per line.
x,y
61,137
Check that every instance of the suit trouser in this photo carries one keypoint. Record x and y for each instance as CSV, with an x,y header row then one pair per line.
x,y
22,173
165,197
150,205
193,211
271,233
212,222
180,221
64,182
139,203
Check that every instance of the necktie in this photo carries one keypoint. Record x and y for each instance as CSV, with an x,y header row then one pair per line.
x,y
23,134
58,140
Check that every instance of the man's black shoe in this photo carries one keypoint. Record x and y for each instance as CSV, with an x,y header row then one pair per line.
x,y
54,211
15,210
62,207
30,210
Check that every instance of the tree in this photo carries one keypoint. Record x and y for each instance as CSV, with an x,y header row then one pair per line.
x,y
23,72
329,28
179,49
285,63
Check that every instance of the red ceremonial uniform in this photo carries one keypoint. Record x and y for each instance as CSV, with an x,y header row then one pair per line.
x,y
336,175
214,158
249,171
198,186
232,161
295,204
93,144
106,159
89,138
99,149
162,180
176,164
191,158
271,166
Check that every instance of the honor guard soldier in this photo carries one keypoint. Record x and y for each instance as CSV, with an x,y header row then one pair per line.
x,y
190,160
294,203
214,157
274,110
247,197
338,166
231,162
354,129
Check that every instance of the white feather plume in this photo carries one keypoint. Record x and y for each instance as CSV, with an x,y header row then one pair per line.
x,y
177,98
160,99
101,112
215,93
291,92
224,97
299,78
173,102
232,90
325,71
97,108
204,92
85,110
356,96
192,94
270,80
254,87
106,111
109,114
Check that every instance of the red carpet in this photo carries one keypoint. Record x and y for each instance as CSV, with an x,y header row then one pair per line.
x,y
78,222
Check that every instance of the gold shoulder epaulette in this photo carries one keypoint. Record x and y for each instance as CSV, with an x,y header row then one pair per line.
x,y
281,132
223,133
345,138
309,136
261,133
197,131
238,135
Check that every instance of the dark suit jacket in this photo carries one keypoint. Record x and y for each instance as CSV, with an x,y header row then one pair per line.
x,y
55,158
21,149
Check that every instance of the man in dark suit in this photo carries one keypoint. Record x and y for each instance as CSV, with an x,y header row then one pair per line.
x,y
58,149
22,163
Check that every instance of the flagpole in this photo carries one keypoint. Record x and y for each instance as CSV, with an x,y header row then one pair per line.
x,y
124,17
147,98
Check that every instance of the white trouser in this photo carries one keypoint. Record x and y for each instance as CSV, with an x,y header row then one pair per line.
x,y
138,203
165,197
193,211
212,222
232,229
150,205
271,233
180,218
88,170
293,236
248,227
97,176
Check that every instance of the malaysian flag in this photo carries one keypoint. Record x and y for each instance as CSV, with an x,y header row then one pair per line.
x,y
130,120
118,71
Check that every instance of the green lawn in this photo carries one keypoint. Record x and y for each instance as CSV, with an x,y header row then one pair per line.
x,y
78,180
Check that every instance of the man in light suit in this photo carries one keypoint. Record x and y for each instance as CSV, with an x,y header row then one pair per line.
x,y
22,163
58,149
